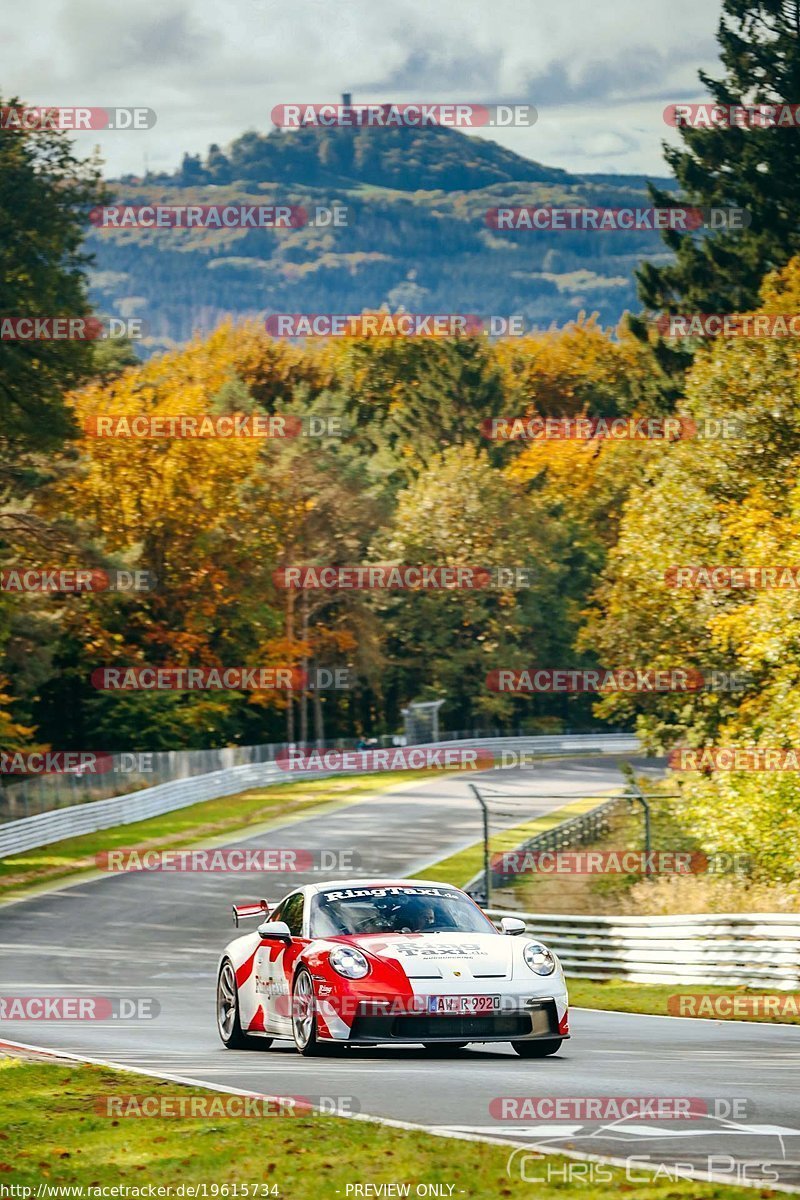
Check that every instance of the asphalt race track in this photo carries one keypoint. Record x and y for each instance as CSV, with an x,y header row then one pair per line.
x,y
159,935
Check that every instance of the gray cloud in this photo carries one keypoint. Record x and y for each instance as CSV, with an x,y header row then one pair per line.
x,y
474,73
599,75
97,40
634,72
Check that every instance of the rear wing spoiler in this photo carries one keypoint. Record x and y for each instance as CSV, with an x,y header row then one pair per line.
x,y
257,908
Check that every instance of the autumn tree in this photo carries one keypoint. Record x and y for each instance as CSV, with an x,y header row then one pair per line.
x,y
461,511
714,501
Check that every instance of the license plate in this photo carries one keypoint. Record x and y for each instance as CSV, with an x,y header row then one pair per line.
x,y
463,1004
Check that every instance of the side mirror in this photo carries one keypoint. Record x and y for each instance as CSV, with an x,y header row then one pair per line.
x,y
277,930
513,926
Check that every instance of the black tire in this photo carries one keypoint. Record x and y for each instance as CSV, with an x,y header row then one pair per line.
x,y
538,1049
304,1016
228,1024
444,1049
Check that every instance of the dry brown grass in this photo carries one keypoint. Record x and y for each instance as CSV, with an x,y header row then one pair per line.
x,y
669,894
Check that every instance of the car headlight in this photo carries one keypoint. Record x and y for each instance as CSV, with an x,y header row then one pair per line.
x,y
539,958
349,962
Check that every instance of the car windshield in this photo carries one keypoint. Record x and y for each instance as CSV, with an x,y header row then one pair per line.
x,y
402,909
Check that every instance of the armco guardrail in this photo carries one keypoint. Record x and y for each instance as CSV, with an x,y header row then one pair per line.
x,y
60,823
733,949
45,828
577,831
28,795
130,772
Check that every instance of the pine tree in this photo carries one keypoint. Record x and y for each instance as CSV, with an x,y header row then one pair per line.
x,y
45,195
754,168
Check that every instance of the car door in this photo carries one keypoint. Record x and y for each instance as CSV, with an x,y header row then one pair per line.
x,y
275,963
257,1006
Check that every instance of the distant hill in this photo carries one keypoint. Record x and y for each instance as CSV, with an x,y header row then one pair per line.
x,y
418,239
409,160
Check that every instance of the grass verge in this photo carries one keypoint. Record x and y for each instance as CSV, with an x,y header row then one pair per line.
x,y
618,995
208,821
55,1135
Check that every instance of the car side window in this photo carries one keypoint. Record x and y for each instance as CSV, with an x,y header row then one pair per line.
x,y
293,914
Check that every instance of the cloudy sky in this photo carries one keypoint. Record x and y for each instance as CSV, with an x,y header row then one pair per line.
x,y
599,73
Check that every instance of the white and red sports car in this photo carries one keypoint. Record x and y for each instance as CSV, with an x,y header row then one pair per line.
x,y
393,961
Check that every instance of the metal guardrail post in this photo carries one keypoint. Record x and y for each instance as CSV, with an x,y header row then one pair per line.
x,y
638,794
486,873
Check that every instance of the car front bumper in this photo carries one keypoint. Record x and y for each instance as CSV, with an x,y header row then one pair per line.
x,y
537,1021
